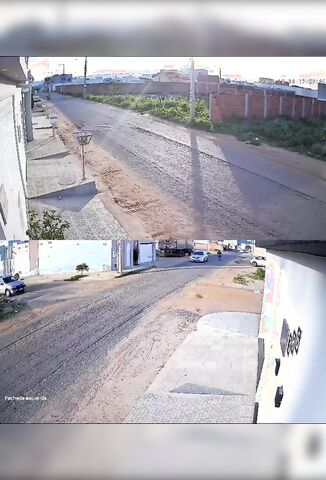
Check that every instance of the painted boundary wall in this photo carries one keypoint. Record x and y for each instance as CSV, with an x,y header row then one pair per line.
x,y
46,256
294,291
228,105
37,257
63,256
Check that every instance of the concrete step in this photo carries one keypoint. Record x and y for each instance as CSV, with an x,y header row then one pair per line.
x,y
233,322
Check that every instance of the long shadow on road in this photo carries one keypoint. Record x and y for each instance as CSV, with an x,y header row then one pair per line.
x,y
197,190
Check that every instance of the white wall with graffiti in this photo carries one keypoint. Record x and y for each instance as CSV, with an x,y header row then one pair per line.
x,y
294,295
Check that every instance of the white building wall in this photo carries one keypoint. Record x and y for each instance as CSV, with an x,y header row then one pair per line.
x,y
128,254
20,260
295,287
13,220
65,255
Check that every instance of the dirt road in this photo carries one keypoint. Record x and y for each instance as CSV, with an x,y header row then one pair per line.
x,y
92,357
183,183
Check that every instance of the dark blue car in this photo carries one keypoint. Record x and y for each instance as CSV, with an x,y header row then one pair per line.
x,y
9,286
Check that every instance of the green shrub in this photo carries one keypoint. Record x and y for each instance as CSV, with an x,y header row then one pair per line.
x,y
46,226
259,274
240,279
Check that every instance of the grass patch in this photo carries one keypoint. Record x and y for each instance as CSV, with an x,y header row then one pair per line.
x,y
74,278
244,279
259,274
306,136
241,279
174,108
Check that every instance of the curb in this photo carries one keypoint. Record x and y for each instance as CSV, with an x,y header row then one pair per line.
x,y
133,272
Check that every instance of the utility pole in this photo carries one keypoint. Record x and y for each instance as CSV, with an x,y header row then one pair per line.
x,y
85,76
120,256
63,75
192,90
27,99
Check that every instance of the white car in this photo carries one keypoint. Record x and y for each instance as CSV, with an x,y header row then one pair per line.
x,y
199,256
258,261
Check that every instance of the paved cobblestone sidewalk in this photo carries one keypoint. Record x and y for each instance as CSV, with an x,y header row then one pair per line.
x,y
54,183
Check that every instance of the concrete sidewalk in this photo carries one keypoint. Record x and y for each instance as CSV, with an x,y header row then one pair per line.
x,y
61,276
54,182
211,378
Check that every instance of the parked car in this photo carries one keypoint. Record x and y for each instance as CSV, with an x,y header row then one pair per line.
x,y
9,286
258,261
199,256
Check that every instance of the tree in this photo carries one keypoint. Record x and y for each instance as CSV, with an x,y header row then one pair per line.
x,y
50,226
82,267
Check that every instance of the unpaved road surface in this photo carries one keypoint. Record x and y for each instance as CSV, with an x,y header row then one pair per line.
x,y
93,356
218,186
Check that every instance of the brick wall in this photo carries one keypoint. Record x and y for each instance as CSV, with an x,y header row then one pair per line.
x,y
254,105
203,89
273,105
226,105
149,88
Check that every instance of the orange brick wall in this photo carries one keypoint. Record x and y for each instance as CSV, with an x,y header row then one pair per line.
x,y
228,104
287,105
255,106
273,106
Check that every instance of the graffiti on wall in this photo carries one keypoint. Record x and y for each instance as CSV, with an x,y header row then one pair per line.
x,y
272,297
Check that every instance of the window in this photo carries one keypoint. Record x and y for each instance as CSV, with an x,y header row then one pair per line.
x,y
7,279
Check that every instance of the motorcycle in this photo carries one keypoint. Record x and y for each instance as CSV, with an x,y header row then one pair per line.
x,y
48,97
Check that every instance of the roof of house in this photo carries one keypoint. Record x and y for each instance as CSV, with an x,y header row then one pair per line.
x,y
208,78
174,75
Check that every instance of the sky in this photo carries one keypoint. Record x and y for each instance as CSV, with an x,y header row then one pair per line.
x,y
243,68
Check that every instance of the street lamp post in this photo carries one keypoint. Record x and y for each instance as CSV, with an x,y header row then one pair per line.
x,y
83,138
